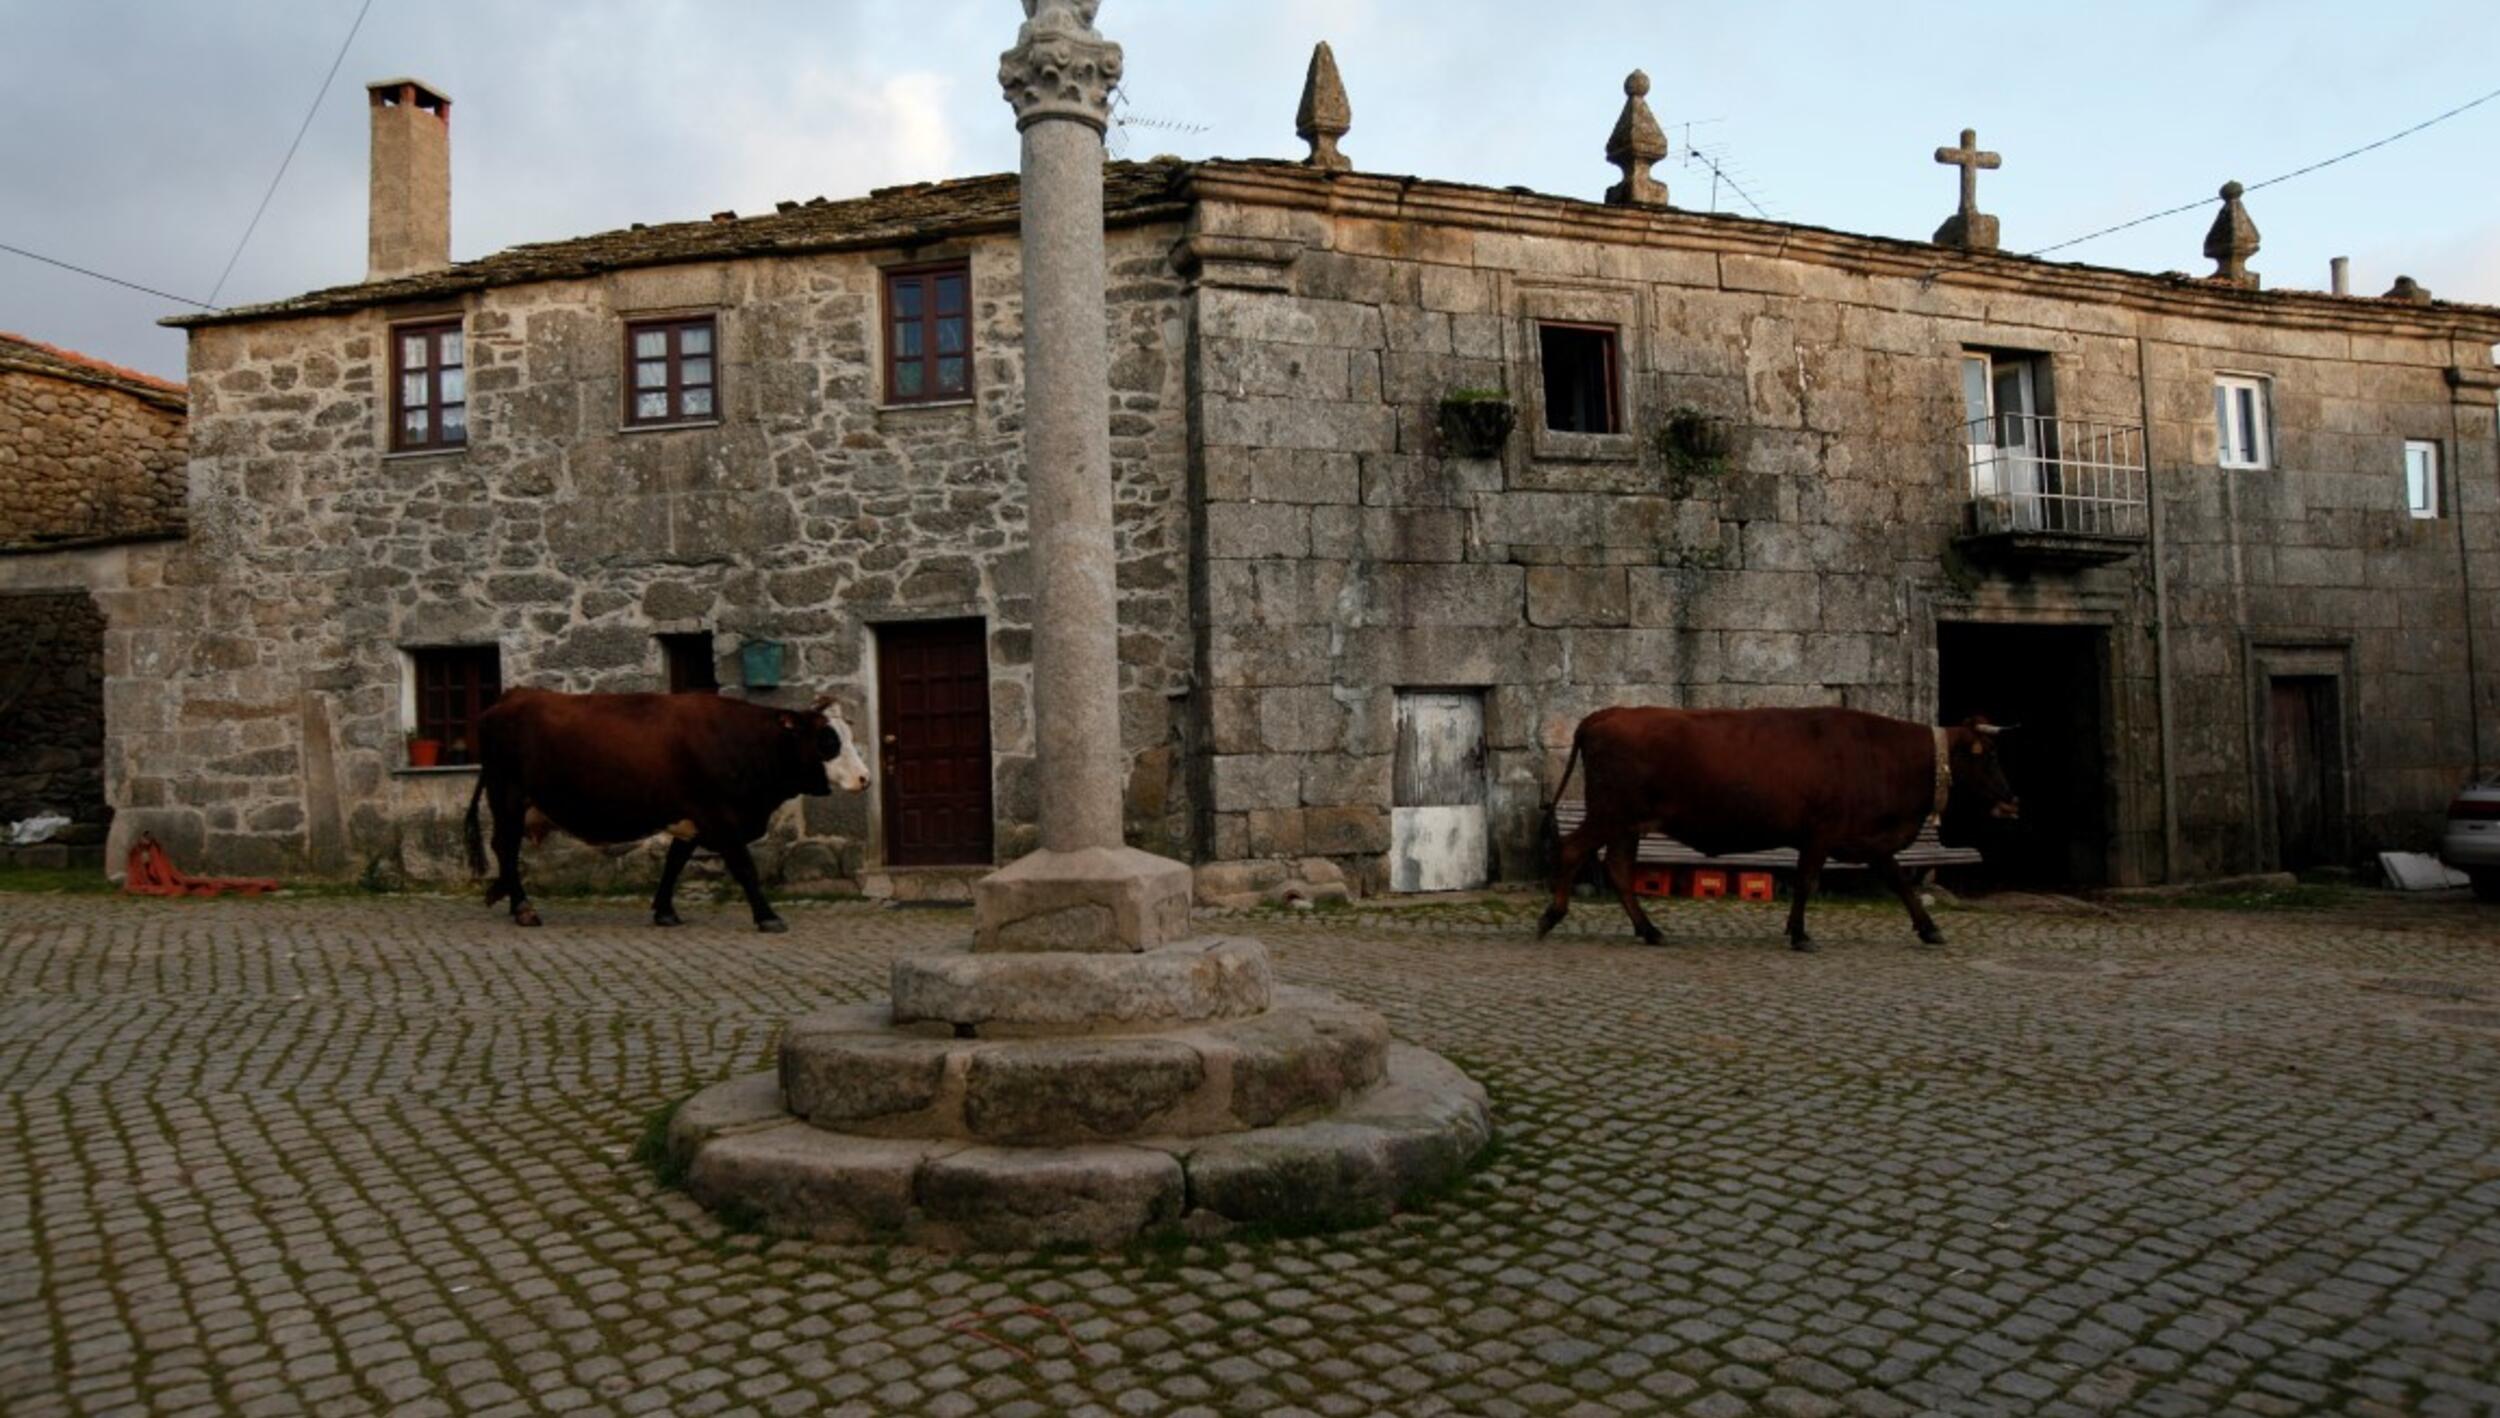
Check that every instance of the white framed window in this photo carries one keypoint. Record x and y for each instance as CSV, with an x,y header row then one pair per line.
x,y
2243,421
2421,477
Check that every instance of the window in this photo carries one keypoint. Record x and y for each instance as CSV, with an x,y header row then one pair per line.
x,y
2240,417
1579,364
429,387
690,665
454,684
2421,477
928,328
671,376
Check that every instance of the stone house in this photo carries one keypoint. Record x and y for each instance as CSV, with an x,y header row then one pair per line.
x,y
91,474
1410,476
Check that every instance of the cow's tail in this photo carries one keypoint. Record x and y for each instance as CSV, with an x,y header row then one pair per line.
x,y
477,841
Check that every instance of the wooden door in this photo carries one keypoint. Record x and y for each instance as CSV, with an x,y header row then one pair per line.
x,y
933,714
1436,821
2306,758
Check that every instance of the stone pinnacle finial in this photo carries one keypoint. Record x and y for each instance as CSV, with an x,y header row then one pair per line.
x,y
2232,241
1970,228
1060,68
1325,115
2408,290
1636,143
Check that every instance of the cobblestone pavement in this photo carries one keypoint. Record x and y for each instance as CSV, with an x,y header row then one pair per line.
x,y
346,1156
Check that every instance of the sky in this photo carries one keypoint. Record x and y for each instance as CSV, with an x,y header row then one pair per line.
x,y
138,136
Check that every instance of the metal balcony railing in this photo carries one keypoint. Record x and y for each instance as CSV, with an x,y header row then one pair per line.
x,y
2042,473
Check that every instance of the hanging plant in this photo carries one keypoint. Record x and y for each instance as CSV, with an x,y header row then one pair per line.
x,y
1696,444
1475,423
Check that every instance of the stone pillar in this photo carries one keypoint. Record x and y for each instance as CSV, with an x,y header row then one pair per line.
x,y
1084,890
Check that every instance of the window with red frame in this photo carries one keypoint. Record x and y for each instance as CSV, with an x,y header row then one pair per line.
x,y
1580,395
928,334
429,387
455,684
670,373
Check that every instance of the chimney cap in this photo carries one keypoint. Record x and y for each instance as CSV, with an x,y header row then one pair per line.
x,y
423,94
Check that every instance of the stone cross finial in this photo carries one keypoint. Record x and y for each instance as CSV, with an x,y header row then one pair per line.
x,y
1636,143
2232,240
1969,228
1060,68
1325,115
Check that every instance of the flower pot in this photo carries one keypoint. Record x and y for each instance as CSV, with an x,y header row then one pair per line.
x,y
424,753
1476,428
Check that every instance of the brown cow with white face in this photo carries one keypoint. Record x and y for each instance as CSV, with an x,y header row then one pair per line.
x,y
609,768
1828,782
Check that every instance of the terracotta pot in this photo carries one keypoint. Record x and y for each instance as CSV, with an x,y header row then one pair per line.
x,y
424,753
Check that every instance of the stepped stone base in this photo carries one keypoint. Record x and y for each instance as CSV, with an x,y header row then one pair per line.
x,y
1110,899
740,1145
1210,977
850,1068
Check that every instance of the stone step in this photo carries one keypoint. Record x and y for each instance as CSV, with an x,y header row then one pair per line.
x,y
1207,977
856,1070
1418,1127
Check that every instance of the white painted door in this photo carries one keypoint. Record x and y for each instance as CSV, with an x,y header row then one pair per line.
x,y
1437,836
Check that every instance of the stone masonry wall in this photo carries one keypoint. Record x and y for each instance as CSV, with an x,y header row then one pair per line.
x,y
259,715
1347,554
83,462
52,708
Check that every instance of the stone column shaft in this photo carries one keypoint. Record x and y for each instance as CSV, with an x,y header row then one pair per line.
x,y
1067,442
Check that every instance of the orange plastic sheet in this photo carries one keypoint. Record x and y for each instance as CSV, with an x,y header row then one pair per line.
x,y
153,873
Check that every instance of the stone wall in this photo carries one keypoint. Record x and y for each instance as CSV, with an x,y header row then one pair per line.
x,y
1347,553
262,710
52,708
83,460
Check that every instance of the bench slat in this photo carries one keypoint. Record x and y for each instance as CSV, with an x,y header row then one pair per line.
x,y
1659,849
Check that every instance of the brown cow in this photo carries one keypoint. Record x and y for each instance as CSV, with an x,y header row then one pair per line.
x,y
710,772
1827,782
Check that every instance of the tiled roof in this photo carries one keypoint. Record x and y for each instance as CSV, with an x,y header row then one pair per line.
x,y
17,351
1132,192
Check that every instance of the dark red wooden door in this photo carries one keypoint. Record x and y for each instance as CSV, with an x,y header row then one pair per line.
x,y
933,709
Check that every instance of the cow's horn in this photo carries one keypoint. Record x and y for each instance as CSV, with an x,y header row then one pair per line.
x,y
1992,728
823,702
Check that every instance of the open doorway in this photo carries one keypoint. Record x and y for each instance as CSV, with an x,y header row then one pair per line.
x,y
2046,679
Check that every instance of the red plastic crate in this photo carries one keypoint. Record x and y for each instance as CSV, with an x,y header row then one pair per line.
x,y
1756,886
1706,883
1653,881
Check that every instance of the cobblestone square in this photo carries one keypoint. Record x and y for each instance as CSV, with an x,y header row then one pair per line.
x,y
346,1156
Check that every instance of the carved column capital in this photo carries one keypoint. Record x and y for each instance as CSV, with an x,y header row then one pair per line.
x,y
1061,67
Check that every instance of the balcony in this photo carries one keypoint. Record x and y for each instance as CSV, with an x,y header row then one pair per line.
x,y
2052,491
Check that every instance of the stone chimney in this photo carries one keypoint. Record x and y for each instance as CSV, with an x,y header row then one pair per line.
x,y
409,228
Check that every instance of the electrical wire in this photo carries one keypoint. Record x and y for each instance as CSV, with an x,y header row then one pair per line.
x,y
99,275
2269,182
283,163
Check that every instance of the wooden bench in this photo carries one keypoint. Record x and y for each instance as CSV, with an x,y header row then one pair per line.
x,y
1924,854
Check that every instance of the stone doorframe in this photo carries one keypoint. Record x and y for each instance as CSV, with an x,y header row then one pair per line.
x,y
2093,612
2270,657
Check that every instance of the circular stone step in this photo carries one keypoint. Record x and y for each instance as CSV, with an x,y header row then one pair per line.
x,y
1416,1129
1209,977
855,1069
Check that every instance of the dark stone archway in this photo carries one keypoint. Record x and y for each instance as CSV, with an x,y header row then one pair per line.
x,y
52,711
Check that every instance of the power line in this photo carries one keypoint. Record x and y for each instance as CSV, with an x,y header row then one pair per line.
x,y
2269,182
99,275
283,163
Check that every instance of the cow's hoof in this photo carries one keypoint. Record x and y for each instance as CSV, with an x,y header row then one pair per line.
x,y
1649,935
526,916
1931,936
773,924
1545,923
1804,943
666,918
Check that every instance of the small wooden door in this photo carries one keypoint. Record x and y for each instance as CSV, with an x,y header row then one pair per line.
x,y
1436,821
933,714
2305,752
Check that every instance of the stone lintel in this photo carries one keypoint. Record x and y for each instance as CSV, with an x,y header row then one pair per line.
x,y
1209,977
1106,899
